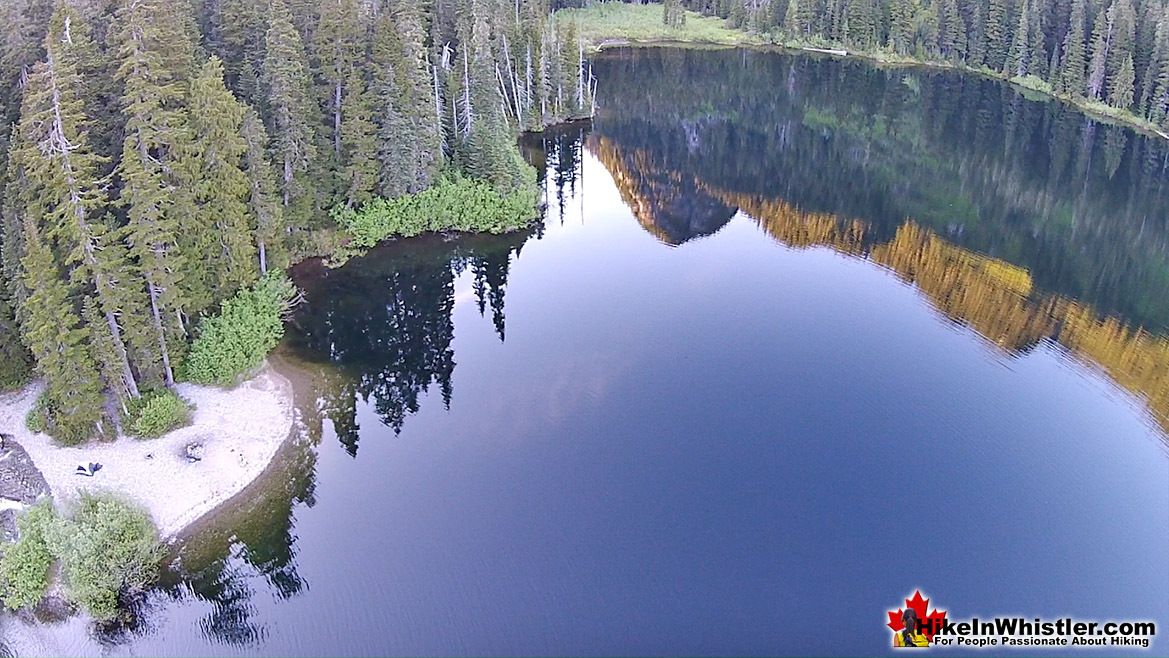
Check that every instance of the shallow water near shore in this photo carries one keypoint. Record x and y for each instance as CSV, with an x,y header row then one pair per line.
x,y
780,355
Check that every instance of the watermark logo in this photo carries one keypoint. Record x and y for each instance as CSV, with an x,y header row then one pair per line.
x,y
916,625
912,627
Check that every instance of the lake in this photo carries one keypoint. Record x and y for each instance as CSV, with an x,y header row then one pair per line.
x,y
797,338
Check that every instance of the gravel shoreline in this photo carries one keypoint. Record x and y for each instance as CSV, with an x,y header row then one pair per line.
x,y
240,430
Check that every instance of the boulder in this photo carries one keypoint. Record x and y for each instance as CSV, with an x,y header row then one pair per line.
x,y
20,480
8,530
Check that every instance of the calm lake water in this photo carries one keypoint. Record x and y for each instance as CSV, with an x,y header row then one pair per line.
x,y
797,338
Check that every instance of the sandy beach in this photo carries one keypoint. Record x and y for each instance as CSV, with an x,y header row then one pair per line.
x,y
240,430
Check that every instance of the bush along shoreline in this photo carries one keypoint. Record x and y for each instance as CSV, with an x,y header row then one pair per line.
x,y
452,204
107,548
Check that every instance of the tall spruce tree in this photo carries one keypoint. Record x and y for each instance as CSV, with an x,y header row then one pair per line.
x,y
1102,40
951,31
15,361
263,196
396,136
1156,58
998,33
152,37
218,241
1019,59
415,99
976,39
1120,87
239,27
901,26
1071,78
1156,102
48,197
291,112
359,167
54,334
337,48
60,168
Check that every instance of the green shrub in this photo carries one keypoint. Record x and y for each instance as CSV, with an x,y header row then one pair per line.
x,y
24,565
37,419
237,339
67,426
157,413
107,547
15,371
463,204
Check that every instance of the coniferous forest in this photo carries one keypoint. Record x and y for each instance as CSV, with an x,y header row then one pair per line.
x,y
1114,53
161,156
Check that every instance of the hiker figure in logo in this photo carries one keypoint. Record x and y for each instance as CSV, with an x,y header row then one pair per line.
x,y
909,636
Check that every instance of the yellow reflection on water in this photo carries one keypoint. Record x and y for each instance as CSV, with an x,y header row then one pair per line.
x,y
994,297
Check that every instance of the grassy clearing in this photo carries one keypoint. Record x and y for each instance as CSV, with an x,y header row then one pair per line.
x,y
617,21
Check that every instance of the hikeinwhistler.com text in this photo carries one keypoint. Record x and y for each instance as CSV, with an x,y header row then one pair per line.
x,y
1006,632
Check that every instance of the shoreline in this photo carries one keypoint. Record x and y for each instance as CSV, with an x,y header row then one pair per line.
x,y
241,430
301,397
1081,105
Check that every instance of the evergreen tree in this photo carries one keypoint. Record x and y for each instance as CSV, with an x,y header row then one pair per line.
x,y
1101,47
802,18
1156,62
1155,101
414,95
1123,21
998,34
12,235
263,197
25,23
951,31
1071,79
152,75
217,241
1120,87
15,361
901,26
1037,41
1147,17
60,171
285,78
396,136
240,26
976,43
862,25
337,47
359,143
1019,59
54,334
1158,110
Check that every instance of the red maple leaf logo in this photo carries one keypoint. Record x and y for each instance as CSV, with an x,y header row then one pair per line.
x,y
919,606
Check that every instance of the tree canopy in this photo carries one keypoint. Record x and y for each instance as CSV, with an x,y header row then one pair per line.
x,y
159,157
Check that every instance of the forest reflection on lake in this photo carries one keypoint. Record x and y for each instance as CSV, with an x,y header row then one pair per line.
x,y
781,351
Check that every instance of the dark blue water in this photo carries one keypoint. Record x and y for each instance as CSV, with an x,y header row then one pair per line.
x,y
665,425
